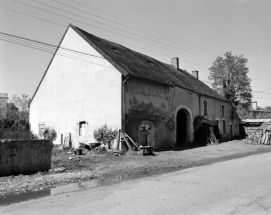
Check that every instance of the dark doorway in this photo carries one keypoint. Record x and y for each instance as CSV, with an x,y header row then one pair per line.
x,y
181,127
231,132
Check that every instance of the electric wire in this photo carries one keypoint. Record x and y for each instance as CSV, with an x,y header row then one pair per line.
x,y
111,31
41,46
141,26
108,30
126,26
112,40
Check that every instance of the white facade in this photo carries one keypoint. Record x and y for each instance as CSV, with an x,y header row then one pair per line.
x,y
77,88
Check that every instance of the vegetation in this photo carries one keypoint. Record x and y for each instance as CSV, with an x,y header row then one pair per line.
x,y
105,135
49,134
15,123
229,76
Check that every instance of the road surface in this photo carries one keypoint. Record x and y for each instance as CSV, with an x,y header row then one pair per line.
x,y
240,186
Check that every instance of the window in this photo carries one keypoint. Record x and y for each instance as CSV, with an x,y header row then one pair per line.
x,y
224,126
222,111
41,128
205,106
82,128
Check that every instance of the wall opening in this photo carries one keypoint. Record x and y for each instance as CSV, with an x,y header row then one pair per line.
x,y
182,127
82,128
146,133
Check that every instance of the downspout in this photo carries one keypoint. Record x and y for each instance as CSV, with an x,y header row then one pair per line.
x,y
123,104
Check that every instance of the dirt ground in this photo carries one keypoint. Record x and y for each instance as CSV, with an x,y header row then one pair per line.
x,y
68,168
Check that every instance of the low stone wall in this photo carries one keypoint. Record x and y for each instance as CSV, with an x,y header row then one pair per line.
x,y
24,156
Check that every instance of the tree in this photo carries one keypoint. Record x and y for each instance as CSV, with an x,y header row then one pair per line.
x,y
229,78
15,123
22,102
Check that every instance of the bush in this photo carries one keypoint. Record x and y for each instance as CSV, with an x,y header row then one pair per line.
x,y
105,135
9,133
49,134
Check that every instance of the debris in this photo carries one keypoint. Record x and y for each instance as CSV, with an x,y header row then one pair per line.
x,y
212,137
70,158
260,135
60,169
147,150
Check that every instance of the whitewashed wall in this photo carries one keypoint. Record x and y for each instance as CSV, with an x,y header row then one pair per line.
x,y
74,90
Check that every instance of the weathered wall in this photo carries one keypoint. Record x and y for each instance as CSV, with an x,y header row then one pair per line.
x,y
215,114
74,90
157,105
24,156
148,102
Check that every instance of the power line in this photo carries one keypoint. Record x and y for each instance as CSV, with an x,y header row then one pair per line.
x,y
61,54
125,26
65,26
33,17
113,28
112,40
142,26
41,46
210,51
52,48
111,31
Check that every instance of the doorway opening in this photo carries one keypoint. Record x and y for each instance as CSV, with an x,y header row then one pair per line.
x,y
182,127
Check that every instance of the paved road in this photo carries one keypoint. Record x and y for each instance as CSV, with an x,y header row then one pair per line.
x,y
241,186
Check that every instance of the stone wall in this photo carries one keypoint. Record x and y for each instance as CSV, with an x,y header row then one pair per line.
x,y
24,156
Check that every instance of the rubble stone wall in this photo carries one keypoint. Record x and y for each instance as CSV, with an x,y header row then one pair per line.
x,y
24,156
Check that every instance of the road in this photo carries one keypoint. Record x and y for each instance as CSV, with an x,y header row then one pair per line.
x,y
240,186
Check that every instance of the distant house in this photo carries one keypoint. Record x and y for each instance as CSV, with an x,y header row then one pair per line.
x,y
260,113
153,102
3,104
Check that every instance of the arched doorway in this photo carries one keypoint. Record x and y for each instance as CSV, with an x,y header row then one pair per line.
x,y
181,130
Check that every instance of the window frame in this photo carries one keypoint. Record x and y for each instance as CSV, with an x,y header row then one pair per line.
x,y
224,130
222,110
41,129
82,132
205,108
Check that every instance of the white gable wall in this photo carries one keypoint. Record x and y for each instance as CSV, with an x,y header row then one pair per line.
x,y
74,91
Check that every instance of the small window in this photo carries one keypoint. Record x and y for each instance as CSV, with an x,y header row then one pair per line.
x,y
223,111
41,128
115,49
150,62
224,126
205,106
82,128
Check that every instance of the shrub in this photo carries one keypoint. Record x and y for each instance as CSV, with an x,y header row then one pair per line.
x,y
49,134
105,135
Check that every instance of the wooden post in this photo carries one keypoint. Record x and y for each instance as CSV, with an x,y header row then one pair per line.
x,y
61,139
70,140
118,140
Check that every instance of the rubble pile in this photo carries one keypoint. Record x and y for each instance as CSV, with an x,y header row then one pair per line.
x,y
259,135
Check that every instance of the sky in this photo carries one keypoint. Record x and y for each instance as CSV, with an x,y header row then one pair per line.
x,y
195,31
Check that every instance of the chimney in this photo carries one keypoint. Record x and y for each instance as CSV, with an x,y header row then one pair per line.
x,y
175,62
195,74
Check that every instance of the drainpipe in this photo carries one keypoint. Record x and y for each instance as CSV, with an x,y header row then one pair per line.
x,y
123,104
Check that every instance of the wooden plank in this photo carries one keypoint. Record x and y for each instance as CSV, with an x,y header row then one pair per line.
x,y
128,144
132,140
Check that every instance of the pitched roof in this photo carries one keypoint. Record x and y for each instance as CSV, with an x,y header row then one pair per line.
x,y
142,66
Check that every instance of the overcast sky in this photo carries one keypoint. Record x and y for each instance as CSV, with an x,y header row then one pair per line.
x,y
196,31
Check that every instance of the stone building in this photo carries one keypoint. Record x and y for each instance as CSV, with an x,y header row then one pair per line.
x,y
153,102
